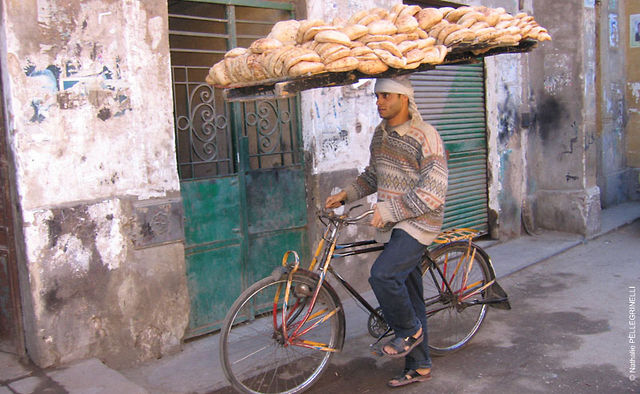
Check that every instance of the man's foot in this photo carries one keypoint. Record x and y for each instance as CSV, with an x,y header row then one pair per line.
x,y
400,347
409,376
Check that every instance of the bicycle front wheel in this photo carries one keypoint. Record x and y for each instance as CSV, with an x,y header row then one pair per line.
x,y
254,353
454,312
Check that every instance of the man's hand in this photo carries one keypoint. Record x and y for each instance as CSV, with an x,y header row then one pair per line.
x,y
376,221
335,200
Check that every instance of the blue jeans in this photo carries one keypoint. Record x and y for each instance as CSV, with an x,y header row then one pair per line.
x,y
396,280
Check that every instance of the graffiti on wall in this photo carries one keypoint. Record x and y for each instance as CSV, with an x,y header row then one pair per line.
x,y
100,87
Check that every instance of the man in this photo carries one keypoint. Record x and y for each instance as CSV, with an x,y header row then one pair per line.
x,y
408,170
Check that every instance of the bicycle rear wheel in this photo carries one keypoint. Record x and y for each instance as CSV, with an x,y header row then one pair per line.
x,y
454,317
254,355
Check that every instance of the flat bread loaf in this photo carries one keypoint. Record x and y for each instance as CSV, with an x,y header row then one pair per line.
x,y
333,36
428,17
285,31
372,67
303,68
382,27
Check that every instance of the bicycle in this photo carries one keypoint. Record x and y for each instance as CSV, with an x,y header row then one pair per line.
x,y
280,334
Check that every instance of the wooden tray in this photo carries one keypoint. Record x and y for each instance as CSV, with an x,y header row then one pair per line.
x,y
269,89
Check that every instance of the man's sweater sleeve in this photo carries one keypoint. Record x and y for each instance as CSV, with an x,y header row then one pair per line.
x,y
428,195
365,184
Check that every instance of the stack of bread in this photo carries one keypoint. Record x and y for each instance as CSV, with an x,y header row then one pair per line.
x,y
373,41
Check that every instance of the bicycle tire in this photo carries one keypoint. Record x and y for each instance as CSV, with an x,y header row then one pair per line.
x,y
452,324
252,353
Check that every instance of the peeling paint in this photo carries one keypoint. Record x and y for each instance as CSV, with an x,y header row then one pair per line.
x,y
634,87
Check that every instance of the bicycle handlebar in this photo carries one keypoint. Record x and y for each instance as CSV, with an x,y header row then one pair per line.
x,y
345,218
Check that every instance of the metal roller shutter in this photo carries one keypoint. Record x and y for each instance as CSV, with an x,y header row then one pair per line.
x,y
451,98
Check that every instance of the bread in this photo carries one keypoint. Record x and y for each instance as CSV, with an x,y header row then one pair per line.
x,y
421,33
306,68
361,51
387,46
355,18
344,64
369,18
446,10
298,55
406,46
479,25
398,38
374,38
333,36
305,25
354,31
372,67
339,54
326,49
382,27
414,55
219,75
470,18
390,59
313,31
285,31
239,51
406,23
428,17
437,28
454,15
278,62
411,66
256,65
410,10
460,36
426,42
262,45
446,31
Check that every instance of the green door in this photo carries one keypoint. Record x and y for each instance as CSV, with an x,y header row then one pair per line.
x,y
240,164
451,98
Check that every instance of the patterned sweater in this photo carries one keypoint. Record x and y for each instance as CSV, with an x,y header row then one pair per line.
x,y
409,171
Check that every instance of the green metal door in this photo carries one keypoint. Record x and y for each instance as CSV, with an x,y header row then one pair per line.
x,y
451,98
240,164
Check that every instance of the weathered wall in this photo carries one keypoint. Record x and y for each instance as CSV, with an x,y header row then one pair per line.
x,y
632,93
561,156
89,109
613,174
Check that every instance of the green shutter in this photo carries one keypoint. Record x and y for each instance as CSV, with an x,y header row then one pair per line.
x,y
451,98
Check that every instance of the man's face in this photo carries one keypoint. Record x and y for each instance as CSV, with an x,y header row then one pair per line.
x,y
389,104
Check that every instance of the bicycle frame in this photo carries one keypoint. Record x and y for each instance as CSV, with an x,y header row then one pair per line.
x,y
328,248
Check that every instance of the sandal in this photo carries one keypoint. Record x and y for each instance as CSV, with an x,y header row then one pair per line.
x,y
402,346
409,376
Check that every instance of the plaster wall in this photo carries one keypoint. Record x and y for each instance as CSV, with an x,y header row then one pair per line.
x,y
561,154
613,173
89,111
632,95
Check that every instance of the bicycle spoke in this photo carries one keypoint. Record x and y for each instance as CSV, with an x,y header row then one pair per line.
x,y
258,358
455,282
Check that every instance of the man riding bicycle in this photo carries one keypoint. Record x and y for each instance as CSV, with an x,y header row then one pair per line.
x,y
408,170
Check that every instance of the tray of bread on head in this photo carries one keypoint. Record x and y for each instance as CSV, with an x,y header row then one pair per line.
x,y
375,43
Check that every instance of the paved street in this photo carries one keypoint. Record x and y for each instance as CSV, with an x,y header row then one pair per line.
x,y
567,332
